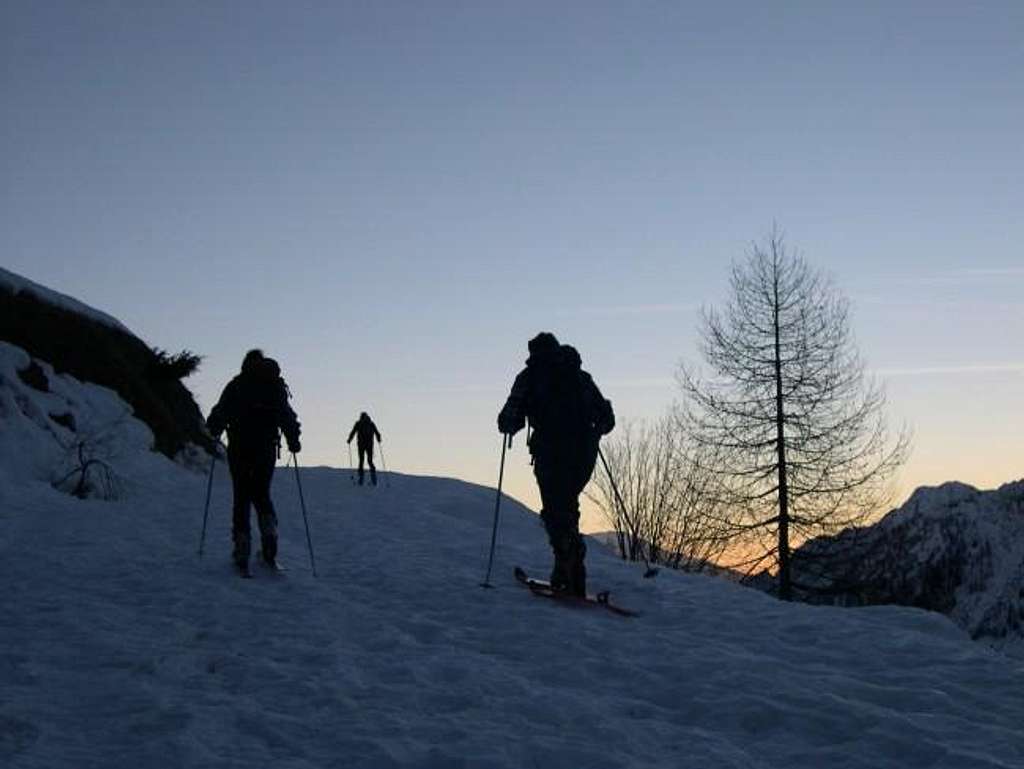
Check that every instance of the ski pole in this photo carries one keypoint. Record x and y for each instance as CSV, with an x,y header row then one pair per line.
x,y
206,508
384,464
651,571
497,505
305,519
351,472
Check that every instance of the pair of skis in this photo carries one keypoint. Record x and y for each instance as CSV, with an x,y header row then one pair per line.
x,y
543,589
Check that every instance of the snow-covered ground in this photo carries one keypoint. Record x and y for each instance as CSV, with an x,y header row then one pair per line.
x,y
37,442
119,647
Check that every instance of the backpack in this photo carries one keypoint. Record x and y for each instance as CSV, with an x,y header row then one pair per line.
x,y
273,372
261,397
557,403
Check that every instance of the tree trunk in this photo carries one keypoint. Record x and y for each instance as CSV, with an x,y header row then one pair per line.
x,y
780,449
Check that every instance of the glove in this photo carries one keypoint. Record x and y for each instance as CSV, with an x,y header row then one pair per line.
x,y
294,446
509,422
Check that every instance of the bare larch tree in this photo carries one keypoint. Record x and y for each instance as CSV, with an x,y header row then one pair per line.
x,y
798,432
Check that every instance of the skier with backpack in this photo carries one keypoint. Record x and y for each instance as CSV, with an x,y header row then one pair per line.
x,y
568,415
254,410
364,431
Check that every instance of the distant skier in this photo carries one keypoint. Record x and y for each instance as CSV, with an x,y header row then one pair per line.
x,y
254,408
568,415
364,431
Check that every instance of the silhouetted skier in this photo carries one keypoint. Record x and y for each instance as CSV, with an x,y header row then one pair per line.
x,y
254,408
568,415
364,431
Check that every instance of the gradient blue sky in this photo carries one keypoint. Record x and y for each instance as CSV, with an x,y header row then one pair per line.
x,y
391,198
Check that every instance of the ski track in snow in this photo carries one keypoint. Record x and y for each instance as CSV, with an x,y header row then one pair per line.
x,y
120,648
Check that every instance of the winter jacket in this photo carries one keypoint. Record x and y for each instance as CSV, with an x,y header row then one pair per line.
x,y
253,409
567,412
365,429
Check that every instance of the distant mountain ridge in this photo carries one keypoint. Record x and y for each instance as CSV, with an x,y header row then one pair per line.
x,y
953,549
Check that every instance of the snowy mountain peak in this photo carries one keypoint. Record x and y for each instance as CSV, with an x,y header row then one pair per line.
x,y
935,498
952,549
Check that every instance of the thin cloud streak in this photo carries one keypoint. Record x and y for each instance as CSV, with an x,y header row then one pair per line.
x,y
903,301
995,272
639,384
440,388
960,276
980,368
631,309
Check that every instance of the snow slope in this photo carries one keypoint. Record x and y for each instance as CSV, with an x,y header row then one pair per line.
x,y
37,441
93,346
121,648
